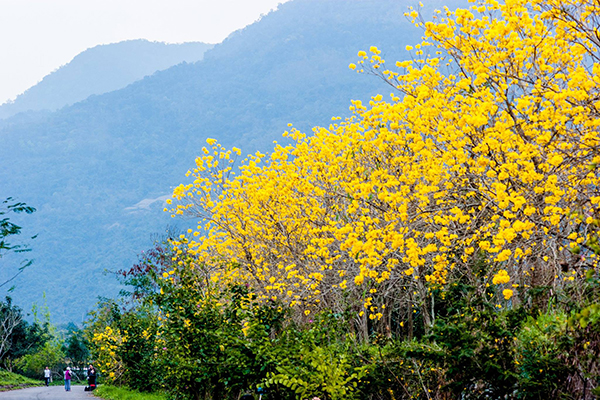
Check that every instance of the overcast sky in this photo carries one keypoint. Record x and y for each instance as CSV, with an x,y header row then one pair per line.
x,y
38,36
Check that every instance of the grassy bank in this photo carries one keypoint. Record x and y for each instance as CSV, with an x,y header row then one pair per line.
x,y
9,380
121,393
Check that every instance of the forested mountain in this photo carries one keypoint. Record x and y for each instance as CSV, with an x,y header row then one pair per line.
x,y
102,69
98,171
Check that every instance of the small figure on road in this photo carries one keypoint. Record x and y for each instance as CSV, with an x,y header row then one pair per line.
x,y
47,375
68,379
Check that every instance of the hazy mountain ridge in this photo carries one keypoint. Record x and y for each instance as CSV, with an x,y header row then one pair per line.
x,y
86,165
102,69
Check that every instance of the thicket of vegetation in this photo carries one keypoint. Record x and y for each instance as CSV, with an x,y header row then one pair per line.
x,y
439,245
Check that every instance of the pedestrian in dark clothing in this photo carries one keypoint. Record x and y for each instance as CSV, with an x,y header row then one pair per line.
x,y
91,377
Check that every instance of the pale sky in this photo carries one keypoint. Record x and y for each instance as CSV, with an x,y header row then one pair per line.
x,y
38,36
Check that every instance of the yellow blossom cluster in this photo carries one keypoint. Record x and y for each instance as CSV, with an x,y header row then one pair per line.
x,y
108,361
488,149
501,277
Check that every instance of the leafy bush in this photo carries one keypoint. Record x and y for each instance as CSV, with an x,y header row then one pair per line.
x,y
315,360
205,350
542,371
319,372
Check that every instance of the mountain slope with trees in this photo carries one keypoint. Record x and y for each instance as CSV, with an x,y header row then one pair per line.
x,y
102,69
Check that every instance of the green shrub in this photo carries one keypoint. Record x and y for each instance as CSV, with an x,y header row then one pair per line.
x,y
542,371
206,351
123,393
325,371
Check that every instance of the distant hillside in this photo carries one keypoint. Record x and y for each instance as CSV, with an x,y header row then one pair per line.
x,y
102,69
99,170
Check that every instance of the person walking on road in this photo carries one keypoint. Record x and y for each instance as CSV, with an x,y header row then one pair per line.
x,y
47,375
68,379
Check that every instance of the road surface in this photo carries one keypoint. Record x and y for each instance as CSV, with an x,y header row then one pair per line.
x,y
48,393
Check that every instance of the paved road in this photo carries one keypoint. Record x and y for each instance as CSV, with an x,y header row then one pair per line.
x,y
47,393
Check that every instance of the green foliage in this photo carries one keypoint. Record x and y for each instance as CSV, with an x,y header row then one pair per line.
x,y
20,338
397,370
132,360
76,349
30,347
138,352
318,371
541,370
589,314
205,351
27,338
221,342
33,364
10,378
580,350
312,360
470,349
8,228
122,393
477,350
215,343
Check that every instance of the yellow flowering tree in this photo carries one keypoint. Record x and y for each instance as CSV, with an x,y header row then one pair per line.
x,y
486,152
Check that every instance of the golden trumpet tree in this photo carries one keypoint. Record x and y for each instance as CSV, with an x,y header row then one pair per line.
x,y
486,150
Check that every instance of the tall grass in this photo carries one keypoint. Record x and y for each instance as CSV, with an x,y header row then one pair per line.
x,y
10,379
121,393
